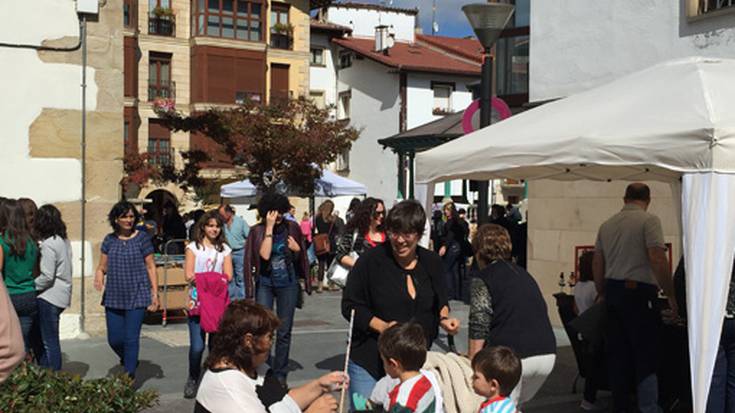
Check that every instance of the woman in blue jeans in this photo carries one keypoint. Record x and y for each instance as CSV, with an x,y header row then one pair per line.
x,y
276,257
127,273
394,282
18,257
54,281
208,252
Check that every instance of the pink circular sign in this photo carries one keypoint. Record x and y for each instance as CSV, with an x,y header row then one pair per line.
x,y
499,105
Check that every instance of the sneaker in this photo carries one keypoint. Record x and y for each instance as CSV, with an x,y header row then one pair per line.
x,y
591,407
190,389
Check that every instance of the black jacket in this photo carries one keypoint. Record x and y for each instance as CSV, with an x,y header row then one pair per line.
x,y
377,287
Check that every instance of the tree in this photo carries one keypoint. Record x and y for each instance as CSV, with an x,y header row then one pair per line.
x,y
284,143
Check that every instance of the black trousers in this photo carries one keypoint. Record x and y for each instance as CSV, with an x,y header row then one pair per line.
x,y
633,331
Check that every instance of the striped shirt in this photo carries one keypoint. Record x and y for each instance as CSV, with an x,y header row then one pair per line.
x,y
498,404
415,395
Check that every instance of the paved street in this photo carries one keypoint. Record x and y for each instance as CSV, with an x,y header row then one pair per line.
x,y
318,346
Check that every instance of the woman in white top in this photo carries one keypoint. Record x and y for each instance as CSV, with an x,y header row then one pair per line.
x,y
208,252
237,378
584,291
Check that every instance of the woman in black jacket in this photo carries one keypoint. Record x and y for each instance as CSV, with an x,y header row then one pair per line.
x,y
395,282
454,235
508,309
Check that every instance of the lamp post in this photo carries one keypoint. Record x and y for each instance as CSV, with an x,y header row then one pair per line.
x,y
487,21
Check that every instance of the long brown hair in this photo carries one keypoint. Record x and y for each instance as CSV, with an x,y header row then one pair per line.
x,y
198,233
16,232
240,318
326,209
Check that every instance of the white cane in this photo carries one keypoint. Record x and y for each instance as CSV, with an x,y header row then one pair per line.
x,y
347,359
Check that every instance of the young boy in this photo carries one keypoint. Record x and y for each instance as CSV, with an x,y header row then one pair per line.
x,y
497,371
403,350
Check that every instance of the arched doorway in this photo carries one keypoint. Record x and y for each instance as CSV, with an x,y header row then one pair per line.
x,y
163,211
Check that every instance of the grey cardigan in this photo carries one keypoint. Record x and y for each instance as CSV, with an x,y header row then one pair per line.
x,y
54,282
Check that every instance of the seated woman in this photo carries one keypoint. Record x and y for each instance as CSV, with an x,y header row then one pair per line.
x,y
237,378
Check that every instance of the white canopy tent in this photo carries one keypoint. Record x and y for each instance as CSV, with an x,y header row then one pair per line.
x,y
673,121
328,186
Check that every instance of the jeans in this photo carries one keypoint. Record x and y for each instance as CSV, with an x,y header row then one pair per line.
x,y
361,382
236,288
123,335
26,306
197,338
48,316
285,299
633,324
722,390
451,261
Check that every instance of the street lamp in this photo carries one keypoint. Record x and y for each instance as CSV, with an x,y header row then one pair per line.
x,y
487,20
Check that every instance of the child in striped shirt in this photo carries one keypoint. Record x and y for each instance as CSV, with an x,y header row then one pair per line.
x,y
497,371
403,350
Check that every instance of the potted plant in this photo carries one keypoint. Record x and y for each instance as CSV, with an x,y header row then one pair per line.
x,y
283,28
161,12
441,112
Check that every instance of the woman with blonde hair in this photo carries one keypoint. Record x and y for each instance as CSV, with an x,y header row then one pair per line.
x,y
508,309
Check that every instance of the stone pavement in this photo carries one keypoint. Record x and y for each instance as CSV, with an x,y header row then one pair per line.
x,y
318,346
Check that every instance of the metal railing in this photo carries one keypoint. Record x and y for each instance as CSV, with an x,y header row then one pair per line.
x,y
161,25
161,89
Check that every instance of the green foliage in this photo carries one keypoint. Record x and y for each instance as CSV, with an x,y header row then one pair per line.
x,y
279,143
32,389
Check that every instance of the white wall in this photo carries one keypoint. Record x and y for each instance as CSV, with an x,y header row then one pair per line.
x,y
363,21
375,108
579,44
28,85
324,78
420,96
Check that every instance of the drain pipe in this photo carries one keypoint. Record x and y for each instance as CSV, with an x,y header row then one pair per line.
x,y
83,40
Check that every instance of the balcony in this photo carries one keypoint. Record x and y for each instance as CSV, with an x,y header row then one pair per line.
x,y
282,36
161,90
162,22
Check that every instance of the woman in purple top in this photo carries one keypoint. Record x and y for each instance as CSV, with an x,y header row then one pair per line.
x,y
127,273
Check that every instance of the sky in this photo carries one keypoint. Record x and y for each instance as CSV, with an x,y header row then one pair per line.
x,y
452,22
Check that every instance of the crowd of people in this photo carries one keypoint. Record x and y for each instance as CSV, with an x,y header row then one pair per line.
x,y
246,283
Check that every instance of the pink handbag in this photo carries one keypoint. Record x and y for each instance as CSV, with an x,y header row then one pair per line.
x,y
213,299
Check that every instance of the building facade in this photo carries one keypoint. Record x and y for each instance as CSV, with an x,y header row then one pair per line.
x,y
42,122
204,54
384,78
599,43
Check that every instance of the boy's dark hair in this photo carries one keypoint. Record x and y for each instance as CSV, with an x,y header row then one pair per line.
x,y
499,363
406,217
405,343
272,201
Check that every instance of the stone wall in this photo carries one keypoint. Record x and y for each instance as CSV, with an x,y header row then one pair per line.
x,y
563,215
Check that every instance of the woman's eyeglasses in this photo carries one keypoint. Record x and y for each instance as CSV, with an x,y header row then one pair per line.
x,y
378,214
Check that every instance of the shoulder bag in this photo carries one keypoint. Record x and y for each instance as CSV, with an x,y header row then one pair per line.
x,y
338,273
323,243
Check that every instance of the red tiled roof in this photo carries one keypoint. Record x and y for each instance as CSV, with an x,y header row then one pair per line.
x,y
327,26
467,48
411,57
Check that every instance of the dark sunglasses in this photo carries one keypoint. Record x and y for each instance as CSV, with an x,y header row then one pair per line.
x,y
378,214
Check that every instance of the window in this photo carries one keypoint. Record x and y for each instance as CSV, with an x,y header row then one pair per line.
x,y
243,97
130,13
343,161
345,60
161,18
442,98
159,76
512,65
317,56
159,143
343,111
317,96
281,29
708,6
232,19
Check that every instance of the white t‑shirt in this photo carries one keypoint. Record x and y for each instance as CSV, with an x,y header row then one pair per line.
x,y
584,295
231,390
208,259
